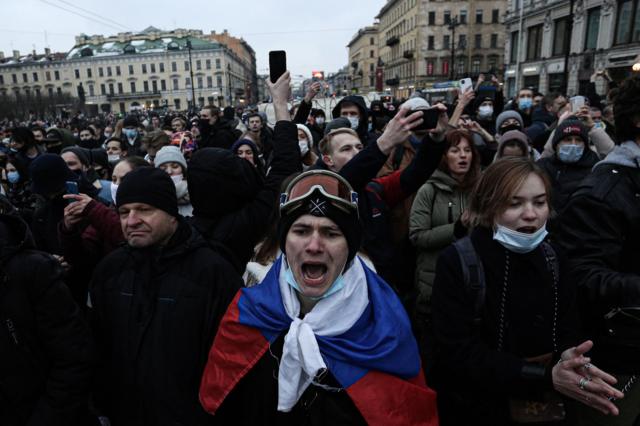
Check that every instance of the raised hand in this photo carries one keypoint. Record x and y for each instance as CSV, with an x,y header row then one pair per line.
x,y
399,129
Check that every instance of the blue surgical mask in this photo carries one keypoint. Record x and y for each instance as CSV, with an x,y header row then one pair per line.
x,y
337,285
570,153
13,177
525,103
519,242
599,125
355,121
131,134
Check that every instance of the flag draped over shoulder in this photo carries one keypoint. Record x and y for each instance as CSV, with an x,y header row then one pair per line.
x,y
376,360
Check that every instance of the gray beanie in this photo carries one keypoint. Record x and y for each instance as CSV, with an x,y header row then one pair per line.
x,y
170,154
504,116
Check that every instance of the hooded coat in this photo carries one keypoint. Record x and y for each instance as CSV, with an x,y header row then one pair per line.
x,y
156,312
220,135
600,232
45,345
363,123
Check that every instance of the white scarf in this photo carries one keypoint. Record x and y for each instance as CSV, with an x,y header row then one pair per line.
x,y
301,358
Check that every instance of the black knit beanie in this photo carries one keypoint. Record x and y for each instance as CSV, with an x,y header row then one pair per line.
x,y
150,186
347,222
570,127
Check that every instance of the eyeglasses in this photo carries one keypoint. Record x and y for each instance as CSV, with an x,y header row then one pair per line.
x,y
331,185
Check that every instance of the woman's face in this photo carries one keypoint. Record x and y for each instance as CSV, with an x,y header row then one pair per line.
x,y
10,168
172,169
119,171
302,135
459,158
177,126
245,151
528,209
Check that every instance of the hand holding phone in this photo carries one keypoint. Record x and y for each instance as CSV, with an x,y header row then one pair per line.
x,y
429,118
465,84
72,188
577,102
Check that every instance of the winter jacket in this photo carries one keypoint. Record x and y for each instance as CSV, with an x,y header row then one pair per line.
x,y
236,215
437,206
600,231
156,312
46,350
220,135
472,377
566,177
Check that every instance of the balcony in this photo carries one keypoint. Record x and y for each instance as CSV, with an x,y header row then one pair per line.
x,y
393,40
136,95
407,54
393,81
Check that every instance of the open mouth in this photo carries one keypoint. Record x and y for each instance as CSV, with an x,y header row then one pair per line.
x,y
463,164
314,273
527,229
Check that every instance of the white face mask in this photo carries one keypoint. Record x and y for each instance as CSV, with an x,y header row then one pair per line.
x,y
114,189
485,112
519,242
177,178
319,121
113,158
304,146
355,121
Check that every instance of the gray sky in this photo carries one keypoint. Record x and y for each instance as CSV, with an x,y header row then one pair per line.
x,y
314,34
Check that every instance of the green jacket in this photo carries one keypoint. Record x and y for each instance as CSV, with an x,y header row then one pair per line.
x,y
437,206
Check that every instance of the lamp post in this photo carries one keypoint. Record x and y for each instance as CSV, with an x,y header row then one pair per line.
x,y
193,93
567,41
452,26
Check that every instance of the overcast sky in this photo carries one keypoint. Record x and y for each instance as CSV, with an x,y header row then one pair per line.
x,y
314,34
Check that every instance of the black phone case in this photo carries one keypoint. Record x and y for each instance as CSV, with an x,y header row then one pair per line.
x,y
277,64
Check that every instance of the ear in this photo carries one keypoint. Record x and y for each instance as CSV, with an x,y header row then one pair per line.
x,y
326,158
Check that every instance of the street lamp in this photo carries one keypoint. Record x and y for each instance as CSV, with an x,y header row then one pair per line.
x,y
193,92
452,26
636,64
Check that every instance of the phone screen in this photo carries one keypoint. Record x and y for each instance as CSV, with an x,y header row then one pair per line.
x,y
72,188
277,64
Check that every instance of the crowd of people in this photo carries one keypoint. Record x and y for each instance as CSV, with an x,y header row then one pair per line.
x,y
399,263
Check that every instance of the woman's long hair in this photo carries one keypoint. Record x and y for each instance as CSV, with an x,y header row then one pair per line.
x,y
453,138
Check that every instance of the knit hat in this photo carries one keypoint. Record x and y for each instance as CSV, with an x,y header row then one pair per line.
x,y
570,127
170,154
49,173
245,141
130,120
337,123
514,135
307,132
416,103
81,153
504,116
150,186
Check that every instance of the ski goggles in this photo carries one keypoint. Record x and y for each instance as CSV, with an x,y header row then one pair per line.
x,y
332,186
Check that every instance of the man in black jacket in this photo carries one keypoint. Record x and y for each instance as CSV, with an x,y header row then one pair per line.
x,y
355,110
46,353
156,305
600,230
215,131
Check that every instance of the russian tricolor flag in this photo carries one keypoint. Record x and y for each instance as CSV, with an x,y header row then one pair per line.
x,y
376,361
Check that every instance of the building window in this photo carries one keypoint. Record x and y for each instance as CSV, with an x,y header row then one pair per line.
x,y
76,72
35,76
534,42
120,88
446,41
161,66
89,73
462,41
432,18
100,72
560,37
153,68
133,87
200,84
371,53
24,77
593,26
209,81
59,91
492,63
154,86
207,64
218,66
219,81
91,92
447,17
628,22
478,16
109,73
56,75
47,76
50,92
187,82
475,66
463,16
145,86
176,85
163,85
14,78
513,56
445,67
174,67
371,67
495,16
429,67
186,65
198,64
494,41
103,89
130,69
117,69
176,102
144,68
478,41
431,43
111,89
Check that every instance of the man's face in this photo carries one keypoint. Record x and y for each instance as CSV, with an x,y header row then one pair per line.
x,y
85,135
317,253
255,124
155,122
596,115
145,226
537,100
73,162
177,125
525,94
350,110
205,114
38,135
559,103
343,148
114,148
16,145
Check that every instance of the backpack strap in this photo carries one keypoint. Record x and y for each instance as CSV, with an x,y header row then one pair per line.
x,y
473,275
397,157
